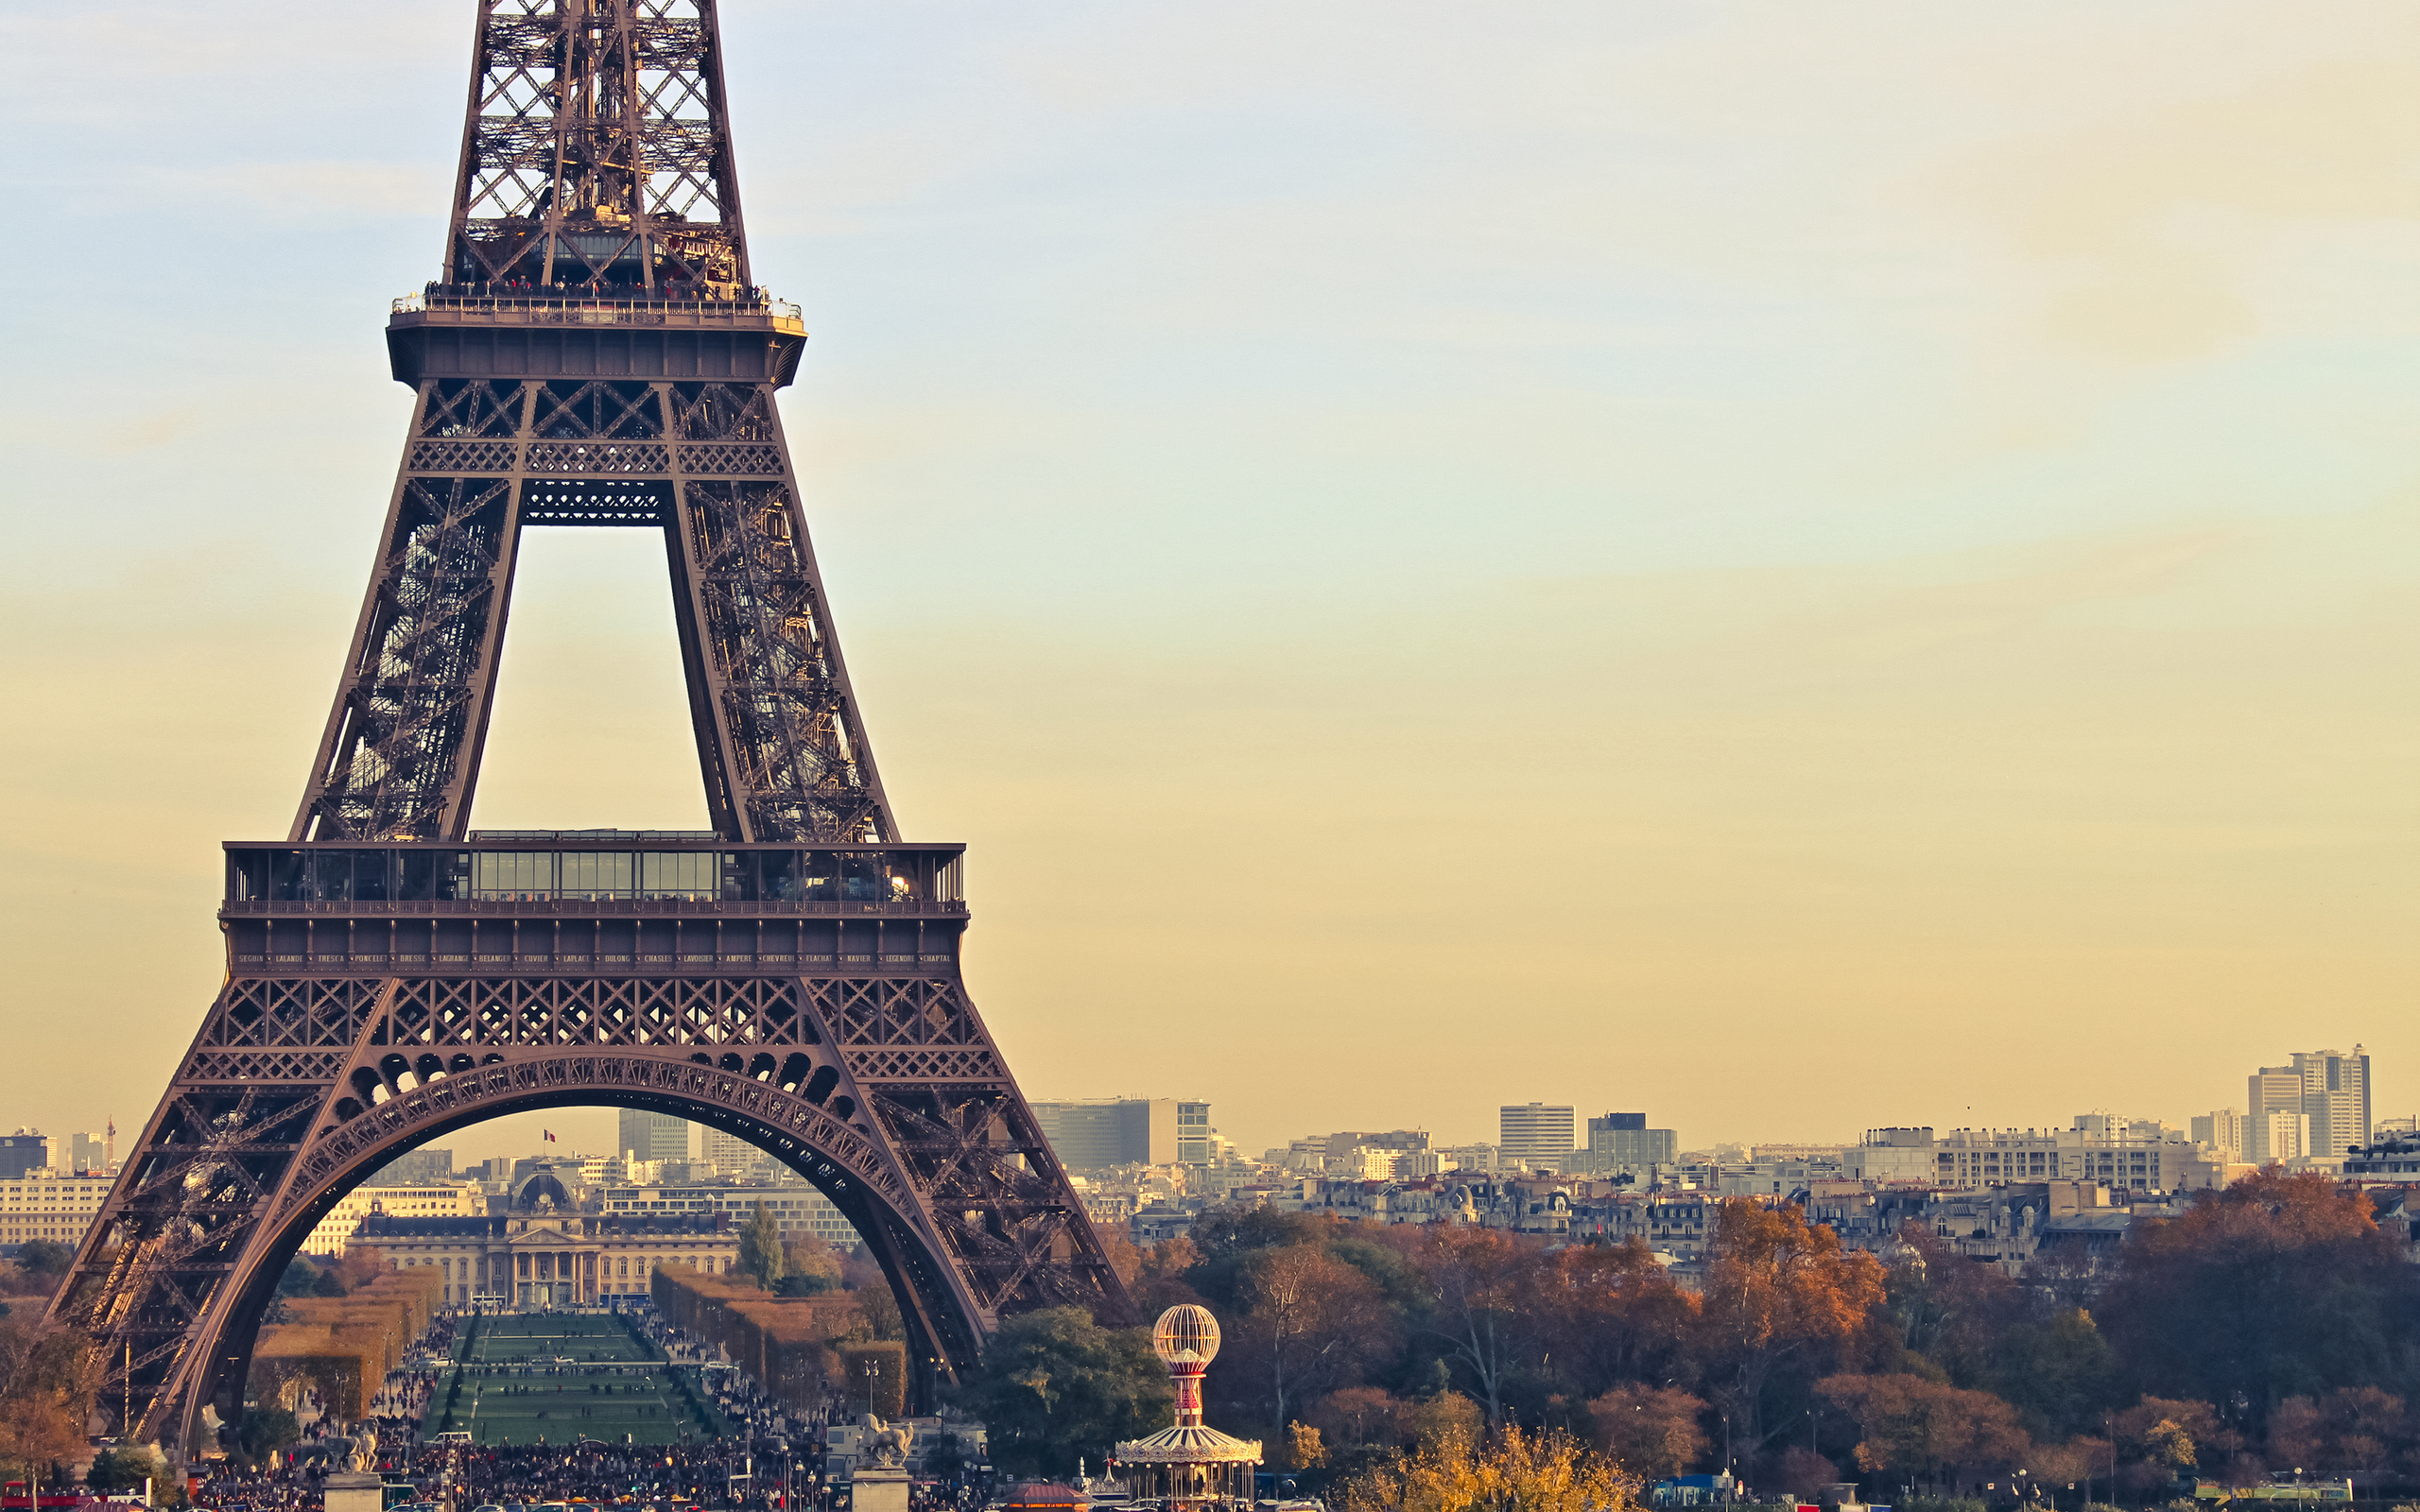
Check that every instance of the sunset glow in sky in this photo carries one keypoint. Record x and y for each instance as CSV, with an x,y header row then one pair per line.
x,y
1792,568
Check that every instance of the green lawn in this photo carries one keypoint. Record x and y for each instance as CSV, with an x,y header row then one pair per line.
x,y
505,1387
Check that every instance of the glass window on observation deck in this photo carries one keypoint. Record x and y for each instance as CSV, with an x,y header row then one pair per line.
x,y
597,875
513,876
306,876
688,876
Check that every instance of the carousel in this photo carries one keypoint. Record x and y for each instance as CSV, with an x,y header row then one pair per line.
x,y
1188,1466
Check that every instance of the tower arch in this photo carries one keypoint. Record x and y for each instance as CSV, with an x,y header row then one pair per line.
x,y
945,1322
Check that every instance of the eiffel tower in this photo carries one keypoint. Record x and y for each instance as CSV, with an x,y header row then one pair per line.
x,y
595,352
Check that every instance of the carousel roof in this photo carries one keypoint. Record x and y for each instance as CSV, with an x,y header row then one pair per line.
x,y
1189,1446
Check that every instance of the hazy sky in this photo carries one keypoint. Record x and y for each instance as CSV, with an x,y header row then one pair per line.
x,y
1793,568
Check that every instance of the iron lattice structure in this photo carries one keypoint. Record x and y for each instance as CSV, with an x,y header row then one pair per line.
x,y
596,146
594,355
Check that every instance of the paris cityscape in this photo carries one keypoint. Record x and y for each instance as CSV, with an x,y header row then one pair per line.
x,y
1340,1259
1625,757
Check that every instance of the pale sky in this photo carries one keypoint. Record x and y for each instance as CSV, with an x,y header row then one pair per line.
x,y
1792,568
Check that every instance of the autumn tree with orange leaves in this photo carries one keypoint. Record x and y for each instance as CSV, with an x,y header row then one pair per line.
x,y
48,1377
2353,1431
1507,1471
1610,1314
1650,1431
1481,1278
1310,1321
1923,1429
1777,1294
2279,1286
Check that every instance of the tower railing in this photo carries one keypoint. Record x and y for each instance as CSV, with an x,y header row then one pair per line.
x,y
583,307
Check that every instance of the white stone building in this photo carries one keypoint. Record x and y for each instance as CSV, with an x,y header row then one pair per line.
x,y
794,1204
548,1260
447,1200
51,1207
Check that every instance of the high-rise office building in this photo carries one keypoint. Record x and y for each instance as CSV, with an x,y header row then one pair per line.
x,y
1536,1134
1095,1133
655,1136
2222,1129
1623,1139
1195,1143
2336,1095
88,1153
25,1150
729,1154
2272,1088
2276,1135
2328,1086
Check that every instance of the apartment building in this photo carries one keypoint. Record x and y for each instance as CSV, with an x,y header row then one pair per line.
x,y
45,1205
2132,1154
450,1199
795,1207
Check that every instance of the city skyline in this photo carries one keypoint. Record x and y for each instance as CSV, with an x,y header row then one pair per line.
x,y
602,1130
1935,568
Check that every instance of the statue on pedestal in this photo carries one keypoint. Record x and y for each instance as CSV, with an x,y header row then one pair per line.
x,y
886,1446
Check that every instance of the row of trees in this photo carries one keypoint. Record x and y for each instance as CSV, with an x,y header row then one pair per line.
x,y
2272,1325
800,1349
790,1266
48,1376
328,1277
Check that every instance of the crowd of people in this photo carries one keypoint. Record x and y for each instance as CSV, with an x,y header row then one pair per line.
x,y
770,1460
273,1487
531,1474
752,1413
509,1476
